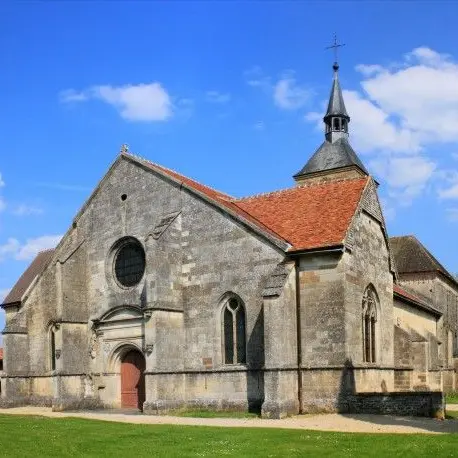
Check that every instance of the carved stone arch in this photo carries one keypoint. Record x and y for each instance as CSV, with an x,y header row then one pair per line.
x,y
125,311
118,352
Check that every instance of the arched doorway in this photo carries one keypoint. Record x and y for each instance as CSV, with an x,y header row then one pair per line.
x,y
133,380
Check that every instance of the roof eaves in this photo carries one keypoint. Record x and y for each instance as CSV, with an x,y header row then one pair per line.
x,y
412,300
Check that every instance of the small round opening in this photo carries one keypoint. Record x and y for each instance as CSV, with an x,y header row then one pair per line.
x,y
124,197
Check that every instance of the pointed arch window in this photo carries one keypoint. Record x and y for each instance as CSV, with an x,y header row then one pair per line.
x,y
234,331
369,324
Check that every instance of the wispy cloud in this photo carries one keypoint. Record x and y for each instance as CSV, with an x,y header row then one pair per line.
x,y
217,97
3,294
63,186
26,210
141,102
2,200
14,249
288,94
452,214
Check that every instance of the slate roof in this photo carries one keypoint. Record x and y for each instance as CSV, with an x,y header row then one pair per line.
x,y
331,156
315,215
411,256
336,104
35,268
412,298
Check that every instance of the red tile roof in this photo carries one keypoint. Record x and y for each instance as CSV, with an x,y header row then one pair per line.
x,y
310,216
413,298
1,354
35,268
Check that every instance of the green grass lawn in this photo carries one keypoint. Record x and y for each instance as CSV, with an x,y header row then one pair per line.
x,y
452,398
46,437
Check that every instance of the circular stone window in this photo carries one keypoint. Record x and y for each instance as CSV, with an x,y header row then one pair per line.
x,y
129,263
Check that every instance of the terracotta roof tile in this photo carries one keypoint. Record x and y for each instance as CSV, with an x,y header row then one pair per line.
x,y
35,268
310,216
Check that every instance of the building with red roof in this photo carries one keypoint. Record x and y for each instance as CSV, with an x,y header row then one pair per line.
x,y
167,294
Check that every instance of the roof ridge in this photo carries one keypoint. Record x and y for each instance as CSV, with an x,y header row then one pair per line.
x,y
167,169
304,185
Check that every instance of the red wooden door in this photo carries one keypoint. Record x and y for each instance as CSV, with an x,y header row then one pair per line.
x,y
133,380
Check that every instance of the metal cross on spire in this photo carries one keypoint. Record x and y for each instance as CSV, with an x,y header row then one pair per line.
x,y
335,46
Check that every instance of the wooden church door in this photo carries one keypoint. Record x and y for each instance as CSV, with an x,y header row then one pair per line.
x,y
133,380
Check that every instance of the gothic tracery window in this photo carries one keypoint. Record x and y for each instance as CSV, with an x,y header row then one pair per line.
x,y
234,340
369,320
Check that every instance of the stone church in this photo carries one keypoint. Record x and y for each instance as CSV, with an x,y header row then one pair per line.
x,y
166,294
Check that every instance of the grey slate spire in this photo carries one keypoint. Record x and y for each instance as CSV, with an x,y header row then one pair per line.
x,y
335,152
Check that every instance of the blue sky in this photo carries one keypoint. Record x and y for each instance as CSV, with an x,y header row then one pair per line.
x,y
229,93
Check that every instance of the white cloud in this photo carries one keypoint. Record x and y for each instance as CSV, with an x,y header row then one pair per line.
x,y
33,246
2,183
255,77
217,97
422,96
70,95
9,249
25,210
289,95
286,92
3,294
452,214
141,102
27,251
450,193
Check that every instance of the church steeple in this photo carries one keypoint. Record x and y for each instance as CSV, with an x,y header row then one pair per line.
x,y
335,158
336,118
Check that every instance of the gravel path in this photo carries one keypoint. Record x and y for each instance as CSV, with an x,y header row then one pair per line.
x,y
325,422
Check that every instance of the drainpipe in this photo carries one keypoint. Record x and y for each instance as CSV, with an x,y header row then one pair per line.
x,y
298,336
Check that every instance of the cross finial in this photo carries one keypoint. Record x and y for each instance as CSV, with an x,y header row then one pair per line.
x,y
124,148
335,46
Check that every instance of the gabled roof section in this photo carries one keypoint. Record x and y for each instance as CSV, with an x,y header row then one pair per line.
x,y
411,298
217,198
316,215
411,256
330,156
311,216
35,268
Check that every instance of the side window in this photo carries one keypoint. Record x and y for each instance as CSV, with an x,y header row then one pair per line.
x,y
369,321
234,332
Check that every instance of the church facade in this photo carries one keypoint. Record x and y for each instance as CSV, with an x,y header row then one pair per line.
x,y
166,294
